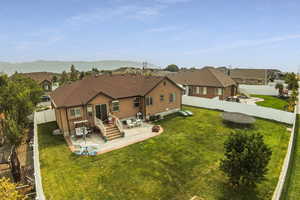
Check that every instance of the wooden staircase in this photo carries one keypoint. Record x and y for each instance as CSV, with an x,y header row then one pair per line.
x,y
112,132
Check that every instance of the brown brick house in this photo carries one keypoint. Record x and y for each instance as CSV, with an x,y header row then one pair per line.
x,y
206,82
122,96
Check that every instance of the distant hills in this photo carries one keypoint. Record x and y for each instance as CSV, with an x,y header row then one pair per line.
x,y
59,66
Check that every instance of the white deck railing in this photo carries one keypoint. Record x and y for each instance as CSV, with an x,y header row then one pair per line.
x,y
100,125
118,123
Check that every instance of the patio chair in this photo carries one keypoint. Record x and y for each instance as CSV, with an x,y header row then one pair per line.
x,y
129,123
139,122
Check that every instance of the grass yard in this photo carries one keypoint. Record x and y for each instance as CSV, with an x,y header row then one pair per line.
x,y
180,163
292,187
272,102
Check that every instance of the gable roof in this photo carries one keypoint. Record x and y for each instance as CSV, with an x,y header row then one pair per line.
x,y
39,77
248,73
207,76
113,86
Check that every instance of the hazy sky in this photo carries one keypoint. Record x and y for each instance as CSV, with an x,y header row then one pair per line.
x,y
245,33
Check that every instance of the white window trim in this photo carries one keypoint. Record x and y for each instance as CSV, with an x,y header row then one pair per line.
x,y
220,91
197,90
77,112
204,91
112,106
148,101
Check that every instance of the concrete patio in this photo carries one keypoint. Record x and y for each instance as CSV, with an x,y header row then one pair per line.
x,y
132,135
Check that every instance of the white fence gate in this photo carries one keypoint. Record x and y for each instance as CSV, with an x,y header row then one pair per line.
x,y
45,116
253,110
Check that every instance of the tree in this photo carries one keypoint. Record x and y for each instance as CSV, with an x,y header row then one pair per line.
x,y
18,97
82,74
8,190
172,68
246,158
279,87
54,79
74,73
95,70
64,78
291,80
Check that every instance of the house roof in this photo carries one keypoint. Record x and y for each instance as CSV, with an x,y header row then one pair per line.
x,y
39,77
248,73
114,86
207,76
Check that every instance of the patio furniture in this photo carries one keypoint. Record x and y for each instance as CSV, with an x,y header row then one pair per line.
x,y
182,113
139,122
129,123
189,112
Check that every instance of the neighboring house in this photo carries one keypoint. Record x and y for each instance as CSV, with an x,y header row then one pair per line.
x,y
206,82
98,97
44,79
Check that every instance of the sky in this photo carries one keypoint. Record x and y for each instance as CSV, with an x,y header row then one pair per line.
x,y
189,33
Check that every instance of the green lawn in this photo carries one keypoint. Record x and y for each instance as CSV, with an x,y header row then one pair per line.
x,y
180,163
271,102
292,187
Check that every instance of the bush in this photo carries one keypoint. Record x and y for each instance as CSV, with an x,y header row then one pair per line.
x,y
246,159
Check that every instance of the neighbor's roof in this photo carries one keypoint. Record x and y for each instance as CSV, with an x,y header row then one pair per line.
x,y
207,76
39,77
248,73
114,86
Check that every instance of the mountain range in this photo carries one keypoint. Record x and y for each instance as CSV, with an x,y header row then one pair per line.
x,y
59,66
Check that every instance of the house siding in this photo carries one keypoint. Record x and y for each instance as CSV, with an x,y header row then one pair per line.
x,y
163,106
212,92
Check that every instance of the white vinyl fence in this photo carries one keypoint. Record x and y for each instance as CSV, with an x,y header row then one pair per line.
x,y
286,165
36,163
259,89
45,116
39,118
253,110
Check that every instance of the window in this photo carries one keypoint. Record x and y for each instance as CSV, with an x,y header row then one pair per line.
x,y
149,101
136,102
115,106
161,97
197,90
220,91
204,90
46,87
172,97
75,112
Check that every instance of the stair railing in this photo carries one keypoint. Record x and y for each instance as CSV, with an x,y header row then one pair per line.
x,y
100,125
118,123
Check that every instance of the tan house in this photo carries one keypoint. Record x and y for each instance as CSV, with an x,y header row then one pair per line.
x,y
44,79
97,98
207,82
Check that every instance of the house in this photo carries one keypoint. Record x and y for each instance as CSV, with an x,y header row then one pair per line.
x,y
44,79
97,98
207,82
